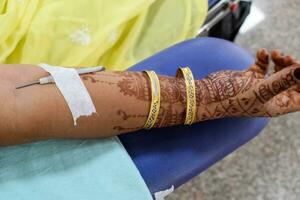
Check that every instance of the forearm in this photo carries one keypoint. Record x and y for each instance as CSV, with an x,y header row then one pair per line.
x,y
122,101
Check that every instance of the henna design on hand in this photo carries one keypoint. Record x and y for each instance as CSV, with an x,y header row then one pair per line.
x,y
223,85
216,88
221,94
266,92
248,93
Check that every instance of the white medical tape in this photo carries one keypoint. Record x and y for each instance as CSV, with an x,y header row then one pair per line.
x,y
73,90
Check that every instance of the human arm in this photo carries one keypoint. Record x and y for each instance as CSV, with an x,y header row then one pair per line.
x,y
122,101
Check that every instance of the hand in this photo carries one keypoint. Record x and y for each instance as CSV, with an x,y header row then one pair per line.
x,y
249,93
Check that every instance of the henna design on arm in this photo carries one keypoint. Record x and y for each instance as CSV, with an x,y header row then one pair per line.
x,y
92,79
172,96
220,94
135,85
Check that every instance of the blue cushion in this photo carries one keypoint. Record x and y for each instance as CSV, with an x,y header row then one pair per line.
x,y
211,3
172,156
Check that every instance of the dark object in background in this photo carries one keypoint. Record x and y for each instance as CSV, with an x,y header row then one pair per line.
x,y
225,18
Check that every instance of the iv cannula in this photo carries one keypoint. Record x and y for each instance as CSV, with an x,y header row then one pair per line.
x,y
49,79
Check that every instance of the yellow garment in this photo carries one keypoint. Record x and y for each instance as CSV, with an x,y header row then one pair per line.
x,y
113,33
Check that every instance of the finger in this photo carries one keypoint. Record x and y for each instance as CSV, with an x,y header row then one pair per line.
x,y
262,62
296,88
277,83
282,61
285,102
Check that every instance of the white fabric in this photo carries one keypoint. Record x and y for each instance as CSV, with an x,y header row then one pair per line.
x,y
162,194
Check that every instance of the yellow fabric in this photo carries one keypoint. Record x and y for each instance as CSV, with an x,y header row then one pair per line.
x,y
113,33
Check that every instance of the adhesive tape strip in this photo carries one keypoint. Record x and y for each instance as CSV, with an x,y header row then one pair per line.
x,y
73,90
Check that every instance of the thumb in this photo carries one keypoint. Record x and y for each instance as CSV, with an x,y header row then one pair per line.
x,y
277,83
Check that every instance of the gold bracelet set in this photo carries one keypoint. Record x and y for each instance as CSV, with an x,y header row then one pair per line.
x,y
187,75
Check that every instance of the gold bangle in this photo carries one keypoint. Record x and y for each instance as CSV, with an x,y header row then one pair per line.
x,y
155,99
187,74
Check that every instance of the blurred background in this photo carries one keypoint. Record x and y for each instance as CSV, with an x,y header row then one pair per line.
x,y
268,167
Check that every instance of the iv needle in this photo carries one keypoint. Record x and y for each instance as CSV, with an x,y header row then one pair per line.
x,y
49,79
28,84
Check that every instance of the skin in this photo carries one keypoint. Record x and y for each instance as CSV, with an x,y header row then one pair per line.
x,y
122,100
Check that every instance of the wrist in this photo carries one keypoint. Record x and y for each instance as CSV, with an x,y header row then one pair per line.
x,y
208,107
173,102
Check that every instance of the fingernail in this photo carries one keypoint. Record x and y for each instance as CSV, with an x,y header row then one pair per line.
x,y
297,73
